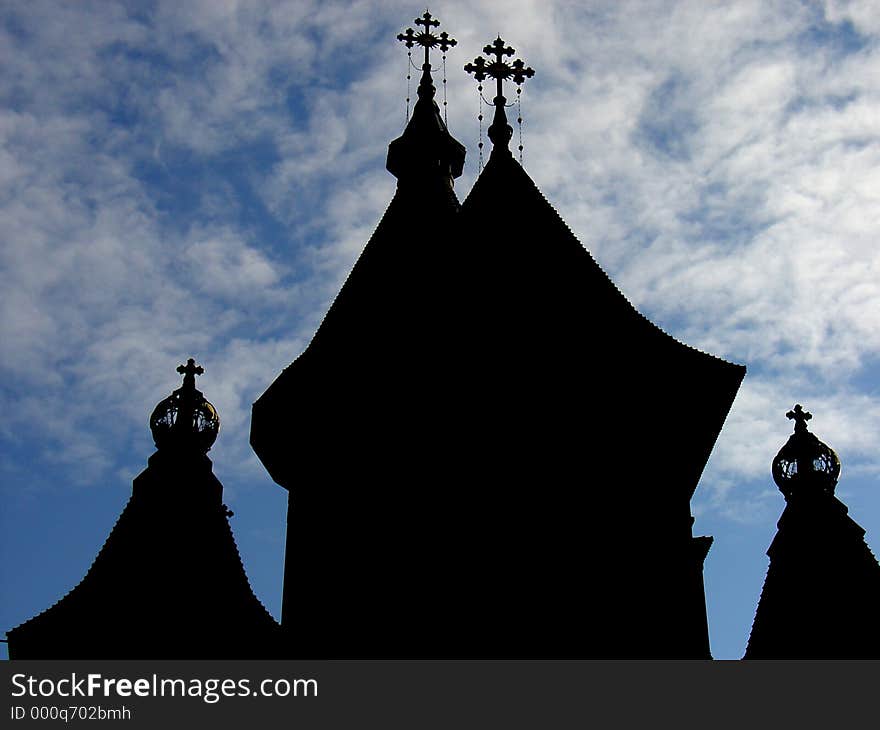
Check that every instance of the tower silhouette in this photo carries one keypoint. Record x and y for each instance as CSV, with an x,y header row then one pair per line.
x,y
821,597
489,451
168,582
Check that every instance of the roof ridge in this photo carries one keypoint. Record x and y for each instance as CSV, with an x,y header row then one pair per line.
x,y
88,571
394,202
247,580
112,538
519,170
755,619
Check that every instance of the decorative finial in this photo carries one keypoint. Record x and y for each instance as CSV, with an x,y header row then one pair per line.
x,y
500,131
189,371
800,417
426,148
805,465
185,419
427,40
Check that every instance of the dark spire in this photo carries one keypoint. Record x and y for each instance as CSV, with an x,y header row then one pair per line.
x,y
185,418
426,145
500,131
821,597
805,465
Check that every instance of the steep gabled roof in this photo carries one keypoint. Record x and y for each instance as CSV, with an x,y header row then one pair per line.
x,y
821,596
542,275
504,186
396,294
167,583
490,452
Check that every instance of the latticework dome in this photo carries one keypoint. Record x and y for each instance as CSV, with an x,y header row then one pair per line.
x,y
805,465
185,418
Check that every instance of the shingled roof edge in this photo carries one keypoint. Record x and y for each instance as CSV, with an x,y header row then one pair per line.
x,y
495,160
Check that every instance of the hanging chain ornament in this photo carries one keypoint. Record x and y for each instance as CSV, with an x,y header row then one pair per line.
x,y
519,120
445,120
409,64
427,40
480,118
500,131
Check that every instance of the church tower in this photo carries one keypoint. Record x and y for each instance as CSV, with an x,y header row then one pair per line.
x,y
168,582
611,419
821,597
489,451
361,428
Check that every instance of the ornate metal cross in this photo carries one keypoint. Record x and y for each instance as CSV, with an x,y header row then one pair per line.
x,y
189,371
426,38
800,417
500,131
499,69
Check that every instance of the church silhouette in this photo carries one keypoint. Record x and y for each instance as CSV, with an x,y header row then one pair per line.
x,y
168,582
489,452
821,598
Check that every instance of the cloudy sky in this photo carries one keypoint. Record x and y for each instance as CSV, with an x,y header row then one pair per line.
x,y
196,178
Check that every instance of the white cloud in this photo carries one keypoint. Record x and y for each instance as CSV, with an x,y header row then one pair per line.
x,y
223,265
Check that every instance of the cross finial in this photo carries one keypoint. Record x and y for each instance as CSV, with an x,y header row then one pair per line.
x,y
189,371
427,40
499,69
428,21
498,49
500,131
800,418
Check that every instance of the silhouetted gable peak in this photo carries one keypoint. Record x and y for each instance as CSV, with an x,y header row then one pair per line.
x,y
821,596
169,580
544,282
544,242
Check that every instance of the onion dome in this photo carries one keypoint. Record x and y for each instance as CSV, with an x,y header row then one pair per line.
x,y
185,419
805,465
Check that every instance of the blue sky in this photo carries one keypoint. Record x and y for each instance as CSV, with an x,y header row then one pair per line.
x,y
197,178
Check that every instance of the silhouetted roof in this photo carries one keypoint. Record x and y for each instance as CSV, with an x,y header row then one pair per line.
x,y
532,261
821,596
168,582
397,291
490,452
